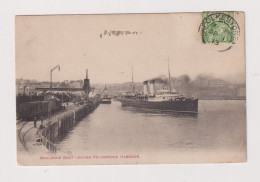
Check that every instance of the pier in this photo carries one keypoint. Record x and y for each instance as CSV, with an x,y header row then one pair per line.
x,y
36,140
60,126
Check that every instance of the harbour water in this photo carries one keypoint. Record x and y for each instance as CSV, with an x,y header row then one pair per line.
x,y
219,129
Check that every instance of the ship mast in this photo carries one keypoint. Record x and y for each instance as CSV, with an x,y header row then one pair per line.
x,y
133,86
170,87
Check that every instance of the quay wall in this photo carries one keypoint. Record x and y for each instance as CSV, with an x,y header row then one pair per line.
x,y
60,126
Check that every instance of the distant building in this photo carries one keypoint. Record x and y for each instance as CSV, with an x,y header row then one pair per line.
x,y
23,90
76,84
241,92
203,83
19,90
216,83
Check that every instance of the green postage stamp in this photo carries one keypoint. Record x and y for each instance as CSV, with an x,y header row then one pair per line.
x,y
219,27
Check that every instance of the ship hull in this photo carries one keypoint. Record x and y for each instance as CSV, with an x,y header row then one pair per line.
x,y
190,105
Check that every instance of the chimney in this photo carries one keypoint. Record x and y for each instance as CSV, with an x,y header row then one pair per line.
x,y
152,89
145,87
86,84
86,73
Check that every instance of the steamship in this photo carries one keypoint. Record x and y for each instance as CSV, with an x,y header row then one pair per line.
x,y
165,99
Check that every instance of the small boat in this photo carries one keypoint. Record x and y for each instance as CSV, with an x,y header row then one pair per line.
x,y
105,97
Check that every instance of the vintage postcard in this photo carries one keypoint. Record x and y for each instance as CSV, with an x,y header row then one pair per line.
x,y
130,89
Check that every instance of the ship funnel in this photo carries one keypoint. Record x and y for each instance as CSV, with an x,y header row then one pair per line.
x,y
145,84
152,89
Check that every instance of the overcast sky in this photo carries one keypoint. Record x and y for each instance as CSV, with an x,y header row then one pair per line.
x,y
74,43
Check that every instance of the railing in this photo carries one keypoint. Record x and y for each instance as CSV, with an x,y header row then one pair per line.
x,y
77,114
50,145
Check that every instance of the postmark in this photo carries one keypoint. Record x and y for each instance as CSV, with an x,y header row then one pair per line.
x,y
219,27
